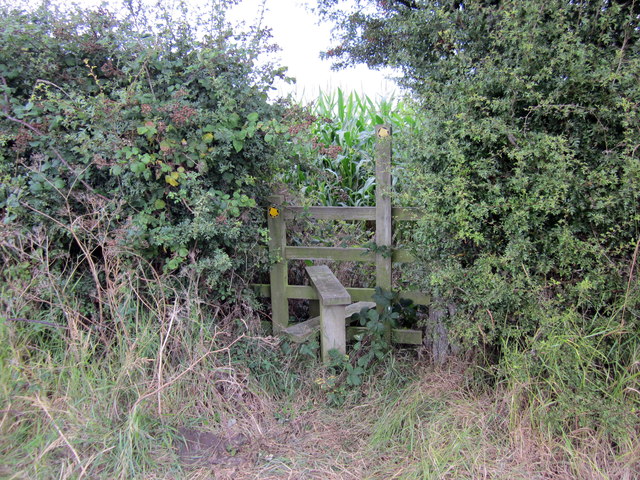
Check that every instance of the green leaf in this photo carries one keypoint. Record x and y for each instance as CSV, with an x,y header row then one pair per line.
x,y
238,145
137,167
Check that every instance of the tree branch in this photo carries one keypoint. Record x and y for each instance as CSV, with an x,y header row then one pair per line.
x,y
409,4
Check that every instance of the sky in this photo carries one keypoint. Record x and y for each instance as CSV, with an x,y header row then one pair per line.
x,y
301,38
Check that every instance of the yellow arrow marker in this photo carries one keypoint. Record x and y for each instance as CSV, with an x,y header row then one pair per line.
x,y
383,132
273,212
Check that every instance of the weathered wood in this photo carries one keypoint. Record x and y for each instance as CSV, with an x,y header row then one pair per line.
x,y
303,331
383,256
333,299
345,254
303,292
333,334
331,213
437,338
357,307
349,213
330,290
329,253
419,298
278,275
406,336
383,211
398,335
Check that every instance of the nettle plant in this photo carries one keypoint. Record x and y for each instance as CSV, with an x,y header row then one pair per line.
x,y
154,129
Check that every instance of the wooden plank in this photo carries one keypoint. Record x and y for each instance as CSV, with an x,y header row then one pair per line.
x,y
398,335
330,290
357,307
329,253
346,254
383,211
331,213
303,292
419,298
278,275
333,334
361,294
349,213
262,289
406,336
303,331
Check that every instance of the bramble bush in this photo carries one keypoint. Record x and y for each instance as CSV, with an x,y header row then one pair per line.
x,y
144,135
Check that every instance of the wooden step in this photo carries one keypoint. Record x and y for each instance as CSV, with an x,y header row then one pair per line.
x,y
303,331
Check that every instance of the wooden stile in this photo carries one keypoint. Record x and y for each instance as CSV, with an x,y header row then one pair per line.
x,y
383,255
333,300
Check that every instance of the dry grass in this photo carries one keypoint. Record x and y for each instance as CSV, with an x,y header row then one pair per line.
x,y
80,401
433,429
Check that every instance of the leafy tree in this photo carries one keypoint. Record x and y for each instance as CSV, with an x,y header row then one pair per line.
x,y
528,169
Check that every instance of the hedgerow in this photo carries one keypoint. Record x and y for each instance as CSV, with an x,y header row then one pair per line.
x,y
131,136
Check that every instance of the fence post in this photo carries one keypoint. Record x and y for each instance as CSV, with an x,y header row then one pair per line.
x,y
278,276
383,212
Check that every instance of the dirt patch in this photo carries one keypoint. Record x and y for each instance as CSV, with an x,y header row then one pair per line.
x,y
198,449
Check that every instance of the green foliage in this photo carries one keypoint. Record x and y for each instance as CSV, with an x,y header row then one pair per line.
x,y
273,368
145,131
527,171
333,144
583,369
345,375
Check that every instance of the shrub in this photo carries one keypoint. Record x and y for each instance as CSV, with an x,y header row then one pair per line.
x,y
139,132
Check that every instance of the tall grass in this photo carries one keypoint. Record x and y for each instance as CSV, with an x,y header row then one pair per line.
x,y
101,395
445,427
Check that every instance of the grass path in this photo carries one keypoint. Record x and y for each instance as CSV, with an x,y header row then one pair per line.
x,y
80,414
433,428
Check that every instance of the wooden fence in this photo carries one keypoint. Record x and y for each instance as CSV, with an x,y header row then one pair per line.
x,y
384,255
